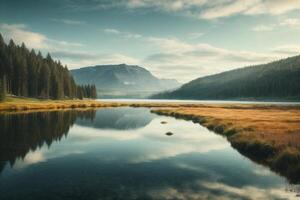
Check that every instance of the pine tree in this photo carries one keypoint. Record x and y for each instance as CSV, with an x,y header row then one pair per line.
x,y
94,92
2,89
79,92
44,81
33,72
2,55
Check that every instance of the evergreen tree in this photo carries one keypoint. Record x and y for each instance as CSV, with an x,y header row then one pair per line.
x,y
33,71
44,81
79,92
2,89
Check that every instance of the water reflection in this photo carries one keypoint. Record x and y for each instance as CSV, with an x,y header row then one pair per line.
x,y
100,159
119,118
21,133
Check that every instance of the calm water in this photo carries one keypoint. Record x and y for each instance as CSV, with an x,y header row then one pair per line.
x,y
124,153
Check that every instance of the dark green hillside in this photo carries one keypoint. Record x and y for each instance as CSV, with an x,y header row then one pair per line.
x,y
275,80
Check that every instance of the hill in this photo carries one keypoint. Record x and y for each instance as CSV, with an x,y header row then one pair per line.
x,y
122,81
279,80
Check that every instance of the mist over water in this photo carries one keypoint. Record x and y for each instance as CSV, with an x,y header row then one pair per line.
x,y
124,153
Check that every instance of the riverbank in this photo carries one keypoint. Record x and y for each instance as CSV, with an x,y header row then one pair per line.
x,y
269,135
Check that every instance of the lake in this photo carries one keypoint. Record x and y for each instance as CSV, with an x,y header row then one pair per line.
x,y
125,153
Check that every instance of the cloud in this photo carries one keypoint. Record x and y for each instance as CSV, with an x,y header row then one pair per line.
x,y
204,9
287,22
195,35
227,9
291,22
207,9
69,21
274,7
287,49
75,59
77,55
169,44
53,44
20,33
123,34
166,5
262,28
112,31
200,51
250,7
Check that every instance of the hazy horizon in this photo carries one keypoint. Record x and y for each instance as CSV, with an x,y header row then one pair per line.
x,y
182,39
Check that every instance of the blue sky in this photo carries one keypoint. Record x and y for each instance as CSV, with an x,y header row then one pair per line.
x,y
181,39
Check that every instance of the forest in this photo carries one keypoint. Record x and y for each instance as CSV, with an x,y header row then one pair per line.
x,y
25,73
278,80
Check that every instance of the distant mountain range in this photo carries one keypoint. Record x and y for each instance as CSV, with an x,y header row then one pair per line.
x,y
279,80
122,81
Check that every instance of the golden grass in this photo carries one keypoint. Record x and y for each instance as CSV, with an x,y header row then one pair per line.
x,y
23,104
277,125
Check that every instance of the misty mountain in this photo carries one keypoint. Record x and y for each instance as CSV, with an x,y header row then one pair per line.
x,y
122,81
279,80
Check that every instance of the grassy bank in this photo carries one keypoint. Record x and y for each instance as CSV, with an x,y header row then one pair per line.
x,y
269,135
21,104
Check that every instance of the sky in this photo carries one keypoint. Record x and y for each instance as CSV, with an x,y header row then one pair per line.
x,y
178,39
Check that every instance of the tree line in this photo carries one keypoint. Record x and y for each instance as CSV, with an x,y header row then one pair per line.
x,y
278,80
24,72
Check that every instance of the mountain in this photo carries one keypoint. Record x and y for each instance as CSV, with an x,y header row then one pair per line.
x,y
122,81
279,80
